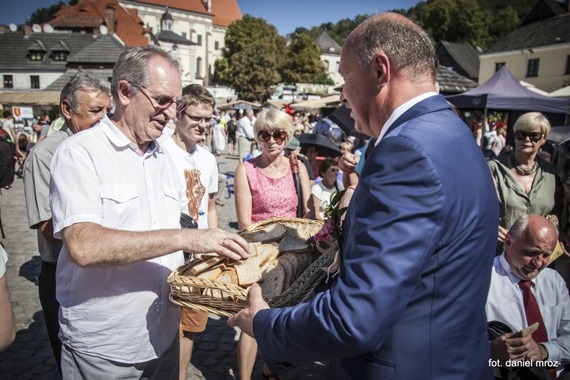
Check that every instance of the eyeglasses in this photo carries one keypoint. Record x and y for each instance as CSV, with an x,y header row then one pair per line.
x,y
158,101
278,136
533,136
199,119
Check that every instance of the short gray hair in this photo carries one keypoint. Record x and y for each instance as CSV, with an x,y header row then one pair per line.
x,y
132,66
82,81
530,120
406,45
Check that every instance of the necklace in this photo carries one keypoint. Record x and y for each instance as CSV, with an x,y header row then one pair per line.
x,y
523,169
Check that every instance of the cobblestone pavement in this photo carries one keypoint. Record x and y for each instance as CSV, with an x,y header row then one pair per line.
x,y
30,356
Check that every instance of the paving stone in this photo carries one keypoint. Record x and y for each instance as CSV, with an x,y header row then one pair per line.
x,y
30,356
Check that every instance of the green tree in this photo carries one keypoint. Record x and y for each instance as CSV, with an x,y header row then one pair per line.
x,y
303,63
469,24
43,15
253,50
221,72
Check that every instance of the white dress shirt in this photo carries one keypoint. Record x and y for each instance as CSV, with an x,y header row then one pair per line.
x,y
117,312
505,304
245,128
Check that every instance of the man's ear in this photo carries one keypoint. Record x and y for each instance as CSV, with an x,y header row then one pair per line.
x,y
65,109
123,90
381,67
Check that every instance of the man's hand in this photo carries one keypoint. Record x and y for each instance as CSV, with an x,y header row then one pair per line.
x,y
244,319
347,163
216,240
502,234
514,347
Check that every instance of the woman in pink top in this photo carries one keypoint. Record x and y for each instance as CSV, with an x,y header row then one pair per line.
x,y
264,185
264,188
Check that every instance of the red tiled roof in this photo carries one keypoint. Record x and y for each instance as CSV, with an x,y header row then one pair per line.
x,y
224,11
91,13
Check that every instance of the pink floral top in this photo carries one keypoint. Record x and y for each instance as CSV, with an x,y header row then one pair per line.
x,y
270,196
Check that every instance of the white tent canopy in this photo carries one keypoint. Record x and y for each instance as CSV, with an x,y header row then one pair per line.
x,y
563,92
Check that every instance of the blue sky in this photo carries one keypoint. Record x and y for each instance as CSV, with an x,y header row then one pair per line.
x,y
286,16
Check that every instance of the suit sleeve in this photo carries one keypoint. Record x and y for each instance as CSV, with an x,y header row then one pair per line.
x,y
392,228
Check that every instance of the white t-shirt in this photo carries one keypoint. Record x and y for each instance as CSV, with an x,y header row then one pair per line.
x,y
206,166
324,194
116,312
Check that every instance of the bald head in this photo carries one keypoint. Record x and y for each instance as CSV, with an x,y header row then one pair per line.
x,y
406,44
529,244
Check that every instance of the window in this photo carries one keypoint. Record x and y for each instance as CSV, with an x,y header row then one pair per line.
x,y
532,70
199,67
184,34
217,45
59,56
34,81
199,39
36,56
567,65
498,65
8,81
327,65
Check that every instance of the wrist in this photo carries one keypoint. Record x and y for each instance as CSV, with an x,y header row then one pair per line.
x,y
544,352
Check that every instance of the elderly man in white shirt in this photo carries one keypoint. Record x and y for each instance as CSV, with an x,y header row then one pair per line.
x,y
528,246
245,134
116,201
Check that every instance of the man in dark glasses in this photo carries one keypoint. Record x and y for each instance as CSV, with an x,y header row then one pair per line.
x,y
116,202
418,237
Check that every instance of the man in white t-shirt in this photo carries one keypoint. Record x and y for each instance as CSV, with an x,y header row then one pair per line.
x,y
198,170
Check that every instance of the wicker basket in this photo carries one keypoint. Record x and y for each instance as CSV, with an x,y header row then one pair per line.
x,y
189,291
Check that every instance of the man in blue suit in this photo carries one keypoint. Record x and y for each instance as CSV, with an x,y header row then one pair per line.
x,y
409,302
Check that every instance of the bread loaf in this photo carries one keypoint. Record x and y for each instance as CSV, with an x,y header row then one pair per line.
x,y
291,244
270,234
272,280
248,272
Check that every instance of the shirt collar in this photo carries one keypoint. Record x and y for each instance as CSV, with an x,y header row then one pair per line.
x,y
119,139
509,272
400,111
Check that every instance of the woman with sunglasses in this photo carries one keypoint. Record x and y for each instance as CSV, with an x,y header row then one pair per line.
x,y
525,183
264,188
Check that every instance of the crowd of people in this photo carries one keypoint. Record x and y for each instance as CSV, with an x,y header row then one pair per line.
x,y
448,260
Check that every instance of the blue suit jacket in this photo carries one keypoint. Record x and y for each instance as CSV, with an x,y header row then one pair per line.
x,y
420,237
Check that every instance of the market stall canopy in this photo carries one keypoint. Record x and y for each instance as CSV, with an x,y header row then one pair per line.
x,y
238,104
563,92
40,98
316,104
503,92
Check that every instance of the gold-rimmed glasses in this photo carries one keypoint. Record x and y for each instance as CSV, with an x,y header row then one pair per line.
x,y
157,101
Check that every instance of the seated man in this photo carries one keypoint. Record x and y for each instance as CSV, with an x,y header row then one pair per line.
x,y
519,281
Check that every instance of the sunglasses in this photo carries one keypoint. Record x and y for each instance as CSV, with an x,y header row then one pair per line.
x,y
533,136
158,101
199,119
278,136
